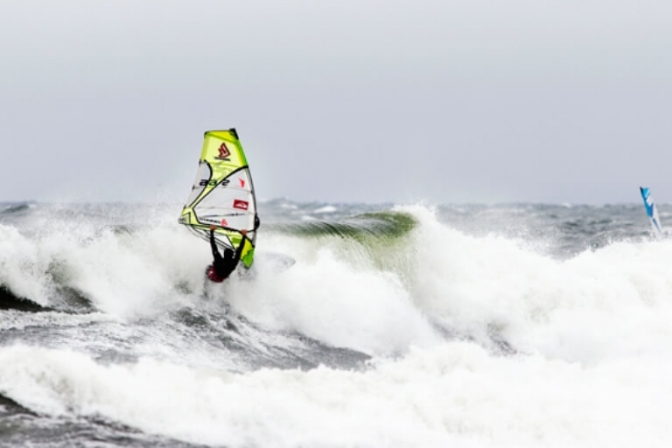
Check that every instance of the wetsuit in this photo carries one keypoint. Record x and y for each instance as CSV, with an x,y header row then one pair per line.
x,y
223,266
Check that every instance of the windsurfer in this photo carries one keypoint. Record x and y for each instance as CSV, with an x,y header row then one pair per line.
x,y
223,266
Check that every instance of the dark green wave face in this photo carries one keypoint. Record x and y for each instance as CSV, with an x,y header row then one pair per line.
x,y
366,227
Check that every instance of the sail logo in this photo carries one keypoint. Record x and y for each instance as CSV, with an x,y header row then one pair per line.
x,y
242,205
242,182
224,222
212,183
224,152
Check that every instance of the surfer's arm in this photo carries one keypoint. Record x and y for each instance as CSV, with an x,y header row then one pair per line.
x,y
239,251
215,252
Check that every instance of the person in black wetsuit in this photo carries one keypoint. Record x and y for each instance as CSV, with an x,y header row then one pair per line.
x,y
223,266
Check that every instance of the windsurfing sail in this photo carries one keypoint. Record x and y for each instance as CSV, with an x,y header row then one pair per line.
x,y
651,211
223,195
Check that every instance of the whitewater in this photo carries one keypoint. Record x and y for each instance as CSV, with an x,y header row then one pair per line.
x,y
426,325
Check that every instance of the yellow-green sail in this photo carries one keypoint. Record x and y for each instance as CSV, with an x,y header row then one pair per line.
x,y
223,195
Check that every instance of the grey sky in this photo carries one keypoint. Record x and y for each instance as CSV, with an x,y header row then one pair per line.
x,y
446,101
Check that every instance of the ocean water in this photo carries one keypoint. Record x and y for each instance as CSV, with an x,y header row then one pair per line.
x,y
398,326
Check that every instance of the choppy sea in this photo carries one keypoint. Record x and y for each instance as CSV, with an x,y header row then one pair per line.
x,y
413,325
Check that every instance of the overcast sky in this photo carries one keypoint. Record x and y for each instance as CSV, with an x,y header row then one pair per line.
x,y
339,101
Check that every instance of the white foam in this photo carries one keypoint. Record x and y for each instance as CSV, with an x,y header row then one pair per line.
x,y
603,303
326,209
122,274
452,395
592,333
21,266
336,302
378,299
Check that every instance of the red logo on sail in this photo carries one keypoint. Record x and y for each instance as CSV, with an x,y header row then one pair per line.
x,y
223,151
242,182
224,222
242,205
